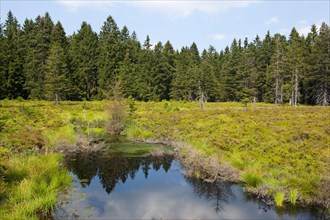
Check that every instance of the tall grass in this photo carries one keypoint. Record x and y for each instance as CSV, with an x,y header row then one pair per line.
x,y
293,196
252,179
279,198
33,184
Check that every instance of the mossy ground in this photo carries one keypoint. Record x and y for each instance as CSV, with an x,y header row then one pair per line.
x,y
276,149
29,181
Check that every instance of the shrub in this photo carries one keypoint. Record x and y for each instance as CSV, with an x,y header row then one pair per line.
x,y
117,111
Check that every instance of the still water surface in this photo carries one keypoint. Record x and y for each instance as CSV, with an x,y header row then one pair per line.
x,y
108,186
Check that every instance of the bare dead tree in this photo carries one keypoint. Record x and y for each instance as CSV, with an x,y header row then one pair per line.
x,y
117,110
201,97
322,96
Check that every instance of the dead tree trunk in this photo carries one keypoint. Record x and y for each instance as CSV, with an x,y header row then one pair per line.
x,y
296,88
56,99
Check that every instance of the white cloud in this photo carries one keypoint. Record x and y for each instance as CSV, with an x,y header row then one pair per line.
x,y
305,28
272,20
175,9
218,37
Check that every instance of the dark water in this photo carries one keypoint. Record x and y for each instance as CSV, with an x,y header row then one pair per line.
x,y
154,187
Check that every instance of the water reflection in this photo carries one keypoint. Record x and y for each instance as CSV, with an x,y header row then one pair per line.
x,y
219,193
112,186
114,168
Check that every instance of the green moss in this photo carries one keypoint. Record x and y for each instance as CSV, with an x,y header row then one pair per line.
x,y
128,149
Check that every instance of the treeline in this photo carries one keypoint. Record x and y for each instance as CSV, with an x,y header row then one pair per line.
x,y
39,61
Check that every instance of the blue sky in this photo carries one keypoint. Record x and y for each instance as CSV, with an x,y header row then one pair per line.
x,y
214,23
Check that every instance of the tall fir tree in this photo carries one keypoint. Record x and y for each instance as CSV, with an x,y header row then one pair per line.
x,y
56,83
275,73
3,63
129,67
247,74
84,57
295,65
263,55
185,84
319,72
14,76
39,40
110,54
207,81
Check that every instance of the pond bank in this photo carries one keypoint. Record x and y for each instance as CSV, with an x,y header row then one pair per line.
x,y
197,164
150,187
210,168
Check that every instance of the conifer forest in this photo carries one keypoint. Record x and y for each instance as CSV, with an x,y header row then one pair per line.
x,y
39,61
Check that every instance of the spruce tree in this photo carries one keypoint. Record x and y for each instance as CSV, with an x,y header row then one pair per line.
x,y
38,44
14,77
3,63
185,84
110,54
319,85
128,72
56,83
295,65
263,56
207,80
275,72
247,74
84,56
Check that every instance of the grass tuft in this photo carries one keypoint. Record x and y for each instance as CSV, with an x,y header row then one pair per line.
x,y
252,179
293,196
279,198
33,190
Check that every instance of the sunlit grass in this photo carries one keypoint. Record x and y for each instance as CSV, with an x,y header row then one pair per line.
x,y
252,179
279,198
272,147
293,196
32,186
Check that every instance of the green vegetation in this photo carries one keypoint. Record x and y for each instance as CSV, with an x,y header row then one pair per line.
x,y
273,147
279,198
252,179
29,182
293,196
31,185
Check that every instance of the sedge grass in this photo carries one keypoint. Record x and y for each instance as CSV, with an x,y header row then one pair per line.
x,y
279,198
34,189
